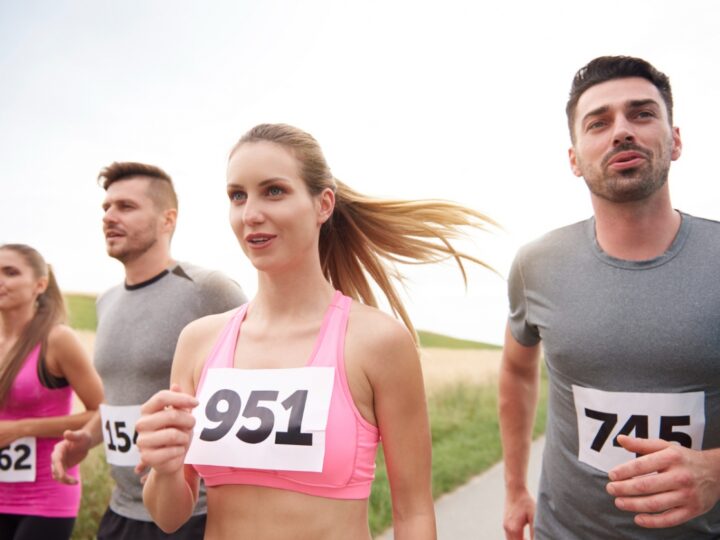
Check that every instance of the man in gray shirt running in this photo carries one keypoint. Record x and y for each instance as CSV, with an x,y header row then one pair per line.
x,y
627,308
139,322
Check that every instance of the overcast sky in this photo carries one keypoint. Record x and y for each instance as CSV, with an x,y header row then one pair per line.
x,y
456,100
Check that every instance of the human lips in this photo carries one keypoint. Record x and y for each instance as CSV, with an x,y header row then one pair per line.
x,y
113,233
626,160
259,240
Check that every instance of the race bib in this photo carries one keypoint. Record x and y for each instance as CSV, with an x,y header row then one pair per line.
x,y
602,416
263,418
18,460
119,435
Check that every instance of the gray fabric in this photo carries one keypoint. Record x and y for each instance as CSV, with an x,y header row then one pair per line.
x,y
134,346
618,326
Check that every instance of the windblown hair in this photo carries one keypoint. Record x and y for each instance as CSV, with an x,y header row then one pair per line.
x,y
50,311
368,236
606,68
160,189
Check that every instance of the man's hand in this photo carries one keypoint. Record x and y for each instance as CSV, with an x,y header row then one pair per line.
x,y
519,513
666,486
68,453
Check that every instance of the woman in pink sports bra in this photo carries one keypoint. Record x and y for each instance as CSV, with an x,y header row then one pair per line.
x,y
297,387
41,363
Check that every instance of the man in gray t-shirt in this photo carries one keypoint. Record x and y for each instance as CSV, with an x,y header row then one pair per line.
x,y
139,323
627,309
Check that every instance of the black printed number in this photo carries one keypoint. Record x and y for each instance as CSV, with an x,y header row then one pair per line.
x,y
121,436
637,424
230,410
18,464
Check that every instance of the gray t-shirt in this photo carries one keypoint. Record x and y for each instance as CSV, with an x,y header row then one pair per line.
x,y
138,328
609,326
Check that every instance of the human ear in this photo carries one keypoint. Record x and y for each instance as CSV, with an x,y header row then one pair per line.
x,y
573,162
325,205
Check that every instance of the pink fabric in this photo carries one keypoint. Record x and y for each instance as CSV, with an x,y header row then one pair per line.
x,y
30,399
350,443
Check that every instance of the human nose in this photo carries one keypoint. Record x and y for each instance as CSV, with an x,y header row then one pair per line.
x,y
253,212
623,132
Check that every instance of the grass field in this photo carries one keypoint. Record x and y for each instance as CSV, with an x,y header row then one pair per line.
x,y
464,430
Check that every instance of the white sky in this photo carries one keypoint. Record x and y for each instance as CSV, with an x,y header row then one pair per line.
x,y
454,100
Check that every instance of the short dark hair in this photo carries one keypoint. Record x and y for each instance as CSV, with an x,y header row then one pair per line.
x,y
605,68
161,189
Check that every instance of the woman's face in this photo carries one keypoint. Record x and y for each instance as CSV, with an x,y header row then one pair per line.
x,y
272,214
18,283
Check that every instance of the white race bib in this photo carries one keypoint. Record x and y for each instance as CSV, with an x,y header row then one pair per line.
x,y
18,460
119,435
263,418
602,416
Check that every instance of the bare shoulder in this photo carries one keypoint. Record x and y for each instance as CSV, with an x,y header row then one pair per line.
x,y
379,339
63,339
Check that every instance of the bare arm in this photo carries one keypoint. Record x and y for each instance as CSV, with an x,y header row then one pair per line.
x,y
164,435
65,357
518,395
401,413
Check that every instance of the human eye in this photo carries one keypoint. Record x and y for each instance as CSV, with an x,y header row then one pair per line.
x,y
594,125
236,195
275,191
645,114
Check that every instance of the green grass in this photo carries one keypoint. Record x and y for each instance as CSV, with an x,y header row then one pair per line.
x,y
97,486
465,442
432,340
81,311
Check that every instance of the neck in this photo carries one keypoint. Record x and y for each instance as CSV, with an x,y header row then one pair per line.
x,y
638,230
296,293
12,322
147,266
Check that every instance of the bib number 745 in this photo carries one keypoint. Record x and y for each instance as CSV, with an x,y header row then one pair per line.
x,y
602,416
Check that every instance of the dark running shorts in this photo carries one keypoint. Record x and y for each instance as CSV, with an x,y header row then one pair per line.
x,y
116,527
18,527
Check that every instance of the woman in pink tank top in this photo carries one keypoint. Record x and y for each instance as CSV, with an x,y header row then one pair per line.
x,y
41,363
296,388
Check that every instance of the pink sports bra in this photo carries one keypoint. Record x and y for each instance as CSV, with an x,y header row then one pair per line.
x,y
350,440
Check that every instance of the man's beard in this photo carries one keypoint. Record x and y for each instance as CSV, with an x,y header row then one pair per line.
x,y
629,185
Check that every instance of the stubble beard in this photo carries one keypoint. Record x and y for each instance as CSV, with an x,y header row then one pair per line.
x,y
132,252
629,185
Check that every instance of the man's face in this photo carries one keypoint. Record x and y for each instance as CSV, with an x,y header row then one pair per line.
x,y
131,222
623,141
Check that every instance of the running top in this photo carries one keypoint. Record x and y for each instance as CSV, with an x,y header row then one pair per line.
x,y
350,440
28,398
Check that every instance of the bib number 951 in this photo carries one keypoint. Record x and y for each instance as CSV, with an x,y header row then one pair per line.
x,y
262,418
295,403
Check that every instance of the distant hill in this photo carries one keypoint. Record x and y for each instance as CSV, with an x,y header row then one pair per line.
x,y
433,340
81,309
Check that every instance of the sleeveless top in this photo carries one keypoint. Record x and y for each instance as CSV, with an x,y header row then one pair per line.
x,y
350,440
28,398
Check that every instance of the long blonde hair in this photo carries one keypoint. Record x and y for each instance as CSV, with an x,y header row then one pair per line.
x,y
368,236
50,311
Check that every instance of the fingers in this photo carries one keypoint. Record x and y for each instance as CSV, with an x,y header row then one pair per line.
x,y
652,460
655,503
670,518
169,398
57,464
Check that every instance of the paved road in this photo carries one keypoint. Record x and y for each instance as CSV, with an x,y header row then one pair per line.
x,y
474,511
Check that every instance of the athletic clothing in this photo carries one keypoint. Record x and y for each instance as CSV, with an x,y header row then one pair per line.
x,y
28,398
19,527
138,328
612,328
350,440
115,527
